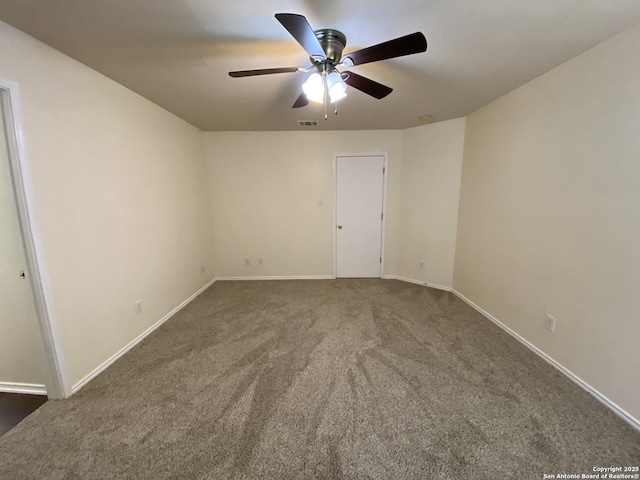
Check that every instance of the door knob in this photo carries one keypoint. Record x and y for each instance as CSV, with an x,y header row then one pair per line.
x,y
339,227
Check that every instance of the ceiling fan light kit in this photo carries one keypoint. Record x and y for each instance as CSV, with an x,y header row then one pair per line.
x,y
325,47
318,85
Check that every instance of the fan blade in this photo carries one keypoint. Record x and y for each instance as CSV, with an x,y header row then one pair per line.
x,y
302,101
264,71
407,45
299,28
368,86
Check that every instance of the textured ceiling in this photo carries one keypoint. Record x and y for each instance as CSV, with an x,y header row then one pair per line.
x,y
177,53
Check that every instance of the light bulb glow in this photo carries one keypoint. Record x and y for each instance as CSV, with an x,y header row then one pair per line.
x,y
336,86
338,92
313,88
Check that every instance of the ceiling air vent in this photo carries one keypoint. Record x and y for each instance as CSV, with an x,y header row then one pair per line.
x,y
307,123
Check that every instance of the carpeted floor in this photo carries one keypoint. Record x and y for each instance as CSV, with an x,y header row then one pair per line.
x,y
334,379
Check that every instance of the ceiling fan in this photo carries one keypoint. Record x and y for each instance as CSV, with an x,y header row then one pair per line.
x,y
324,47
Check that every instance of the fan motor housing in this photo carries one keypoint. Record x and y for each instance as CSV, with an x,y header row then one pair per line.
x,y
332,42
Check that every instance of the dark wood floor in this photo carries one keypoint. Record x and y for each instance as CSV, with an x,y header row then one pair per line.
x,y
15,407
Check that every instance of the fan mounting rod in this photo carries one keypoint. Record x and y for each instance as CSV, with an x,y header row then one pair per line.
x,y
332,42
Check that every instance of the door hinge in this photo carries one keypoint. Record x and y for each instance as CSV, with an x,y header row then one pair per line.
x,y
384,169
380,259
382,216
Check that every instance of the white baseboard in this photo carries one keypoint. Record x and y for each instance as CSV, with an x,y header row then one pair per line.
x,y
623,414
293,277
28,388
417,282
104,365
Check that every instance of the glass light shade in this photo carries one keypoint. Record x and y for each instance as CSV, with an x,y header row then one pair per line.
x,y
338,92
313,88
337,87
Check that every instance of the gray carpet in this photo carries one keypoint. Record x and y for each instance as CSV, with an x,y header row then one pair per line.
x,y
330,379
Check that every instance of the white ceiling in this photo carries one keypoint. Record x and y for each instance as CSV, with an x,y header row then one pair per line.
x,y
177,52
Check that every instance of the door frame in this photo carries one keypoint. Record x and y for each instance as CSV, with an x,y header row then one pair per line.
x,y
56,378
385,157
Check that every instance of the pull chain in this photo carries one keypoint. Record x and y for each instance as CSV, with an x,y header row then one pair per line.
x,y
325,107
326,94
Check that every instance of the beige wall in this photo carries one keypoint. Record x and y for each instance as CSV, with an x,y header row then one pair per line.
x,y
429,193
265,188
121,199
550,215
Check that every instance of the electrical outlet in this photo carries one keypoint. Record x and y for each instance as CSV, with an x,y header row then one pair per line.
x,y
138,307
421,265
260,262
202,268
247,261
551,323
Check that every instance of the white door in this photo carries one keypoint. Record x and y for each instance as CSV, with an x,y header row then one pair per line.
x,y
359,209
20,339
